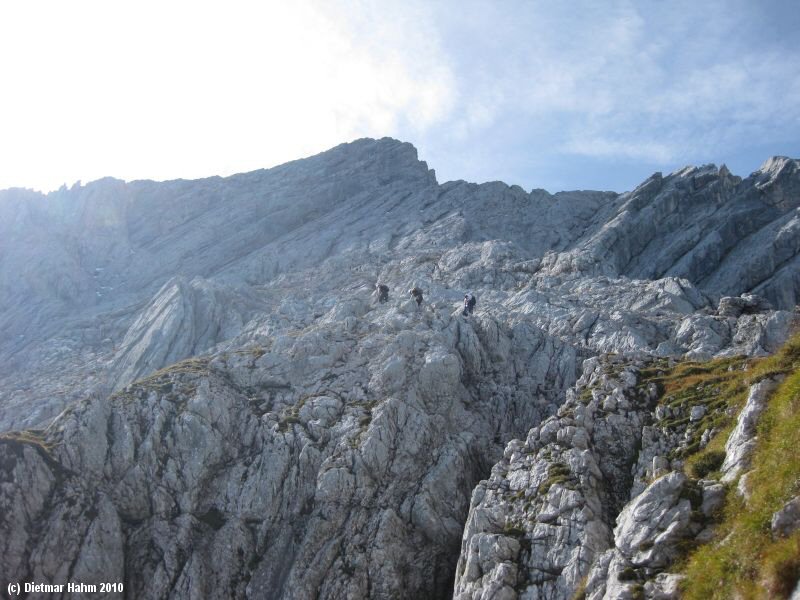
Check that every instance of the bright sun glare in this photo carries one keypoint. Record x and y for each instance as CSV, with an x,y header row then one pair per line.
x,y
190,89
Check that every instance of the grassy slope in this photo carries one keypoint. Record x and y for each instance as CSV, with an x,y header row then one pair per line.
x,y
744,560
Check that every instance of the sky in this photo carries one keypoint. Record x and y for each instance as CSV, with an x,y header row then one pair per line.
x,y
554,95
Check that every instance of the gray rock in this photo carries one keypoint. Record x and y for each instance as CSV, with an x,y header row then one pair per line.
x,y
713,497
561,489
698,412
796,593
316,443
745,304
651,524
743,486
666,586
89,273
321,461
741,442
787,520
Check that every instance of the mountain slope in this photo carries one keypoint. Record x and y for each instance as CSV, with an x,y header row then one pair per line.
x,y
242,418
78,267
647,471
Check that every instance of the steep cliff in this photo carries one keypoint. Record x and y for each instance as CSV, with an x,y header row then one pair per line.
x,y
649,466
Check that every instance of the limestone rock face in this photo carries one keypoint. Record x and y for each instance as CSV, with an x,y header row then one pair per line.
x,y
332,462
690,224
595,499
85,271
184,319
741,442
215,403
556,495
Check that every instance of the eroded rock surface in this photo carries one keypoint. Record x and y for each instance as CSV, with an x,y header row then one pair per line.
x,y
107,282
302,440
742,440
597,499
334,462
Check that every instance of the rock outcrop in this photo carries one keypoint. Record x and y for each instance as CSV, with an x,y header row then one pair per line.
x,y
214,403
184,319
742,440
83,266
331,462
596,499
552,499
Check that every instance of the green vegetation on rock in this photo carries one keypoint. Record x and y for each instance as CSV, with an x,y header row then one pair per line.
x,y
747,560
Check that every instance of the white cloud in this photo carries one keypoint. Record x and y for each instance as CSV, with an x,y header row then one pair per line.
x,y
649,83
641,150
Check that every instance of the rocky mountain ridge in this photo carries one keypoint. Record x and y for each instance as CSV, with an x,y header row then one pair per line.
x,y
317,443
80,267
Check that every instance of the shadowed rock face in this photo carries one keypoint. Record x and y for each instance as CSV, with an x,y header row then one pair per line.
x,y
321,444
337,461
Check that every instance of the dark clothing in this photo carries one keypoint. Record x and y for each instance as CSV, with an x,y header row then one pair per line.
x,y
469,304
417,293
383,293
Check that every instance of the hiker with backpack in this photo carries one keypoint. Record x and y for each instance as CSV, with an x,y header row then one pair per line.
x,y
469,303
417,294
383,292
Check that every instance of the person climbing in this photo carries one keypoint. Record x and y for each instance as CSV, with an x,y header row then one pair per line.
x,y
417,293
383,292
469,303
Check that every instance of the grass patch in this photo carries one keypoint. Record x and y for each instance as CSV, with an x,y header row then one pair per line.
x,y
197,366
783,362
750,563
258,352
557,473
637,591
15,441
721,385
706,463
580,591
586,395
34,437
288,417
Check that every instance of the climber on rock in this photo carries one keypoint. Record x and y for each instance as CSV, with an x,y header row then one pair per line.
x,y
383,292
469,303
417,294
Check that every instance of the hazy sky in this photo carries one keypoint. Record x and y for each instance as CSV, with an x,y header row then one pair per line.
x,y
559,95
